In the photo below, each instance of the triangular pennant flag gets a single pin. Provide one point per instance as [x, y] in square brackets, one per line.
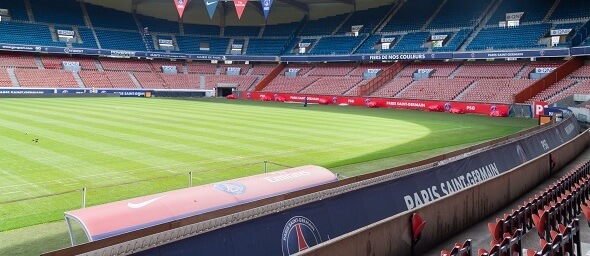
[266, 7]
[240, 5]
[211, 6]
[180, 6]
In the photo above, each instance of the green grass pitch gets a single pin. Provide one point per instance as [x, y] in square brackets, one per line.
[127, 147]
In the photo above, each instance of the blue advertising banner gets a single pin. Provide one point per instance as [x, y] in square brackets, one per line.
[27, 91]
[296, 229]
[266, 4]
[512, 54]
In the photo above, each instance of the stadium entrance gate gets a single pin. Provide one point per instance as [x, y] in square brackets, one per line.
[224, 89]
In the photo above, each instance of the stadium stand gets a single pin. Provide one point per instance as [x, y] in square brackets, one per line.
[158, 25]
[26, 33]
[359, 70]
[411, 42]
[55, 62]
[5, 80]
[331, 70]
[490, 70]
[103, 17]
[149, 80]
[459, 14]
[243, 68]
[534, 10]
[95, 79]
[331, 85]
[393, 87]
[289, 84]
[45, 78]
[58, 12]
[457, 39]
[157, 65]
[262, 70]
[191, 44]
[17, 60]
[440, 69]
[280, 30]
[368, 46]
[495, 90]
[241, 31]
[181, 81]
[520, 37]
[336, 45]
[120, 80]
[369, 19]
[265, 46]
[201, 68]
[323, 26]
[125, 65]
[87, 39]
[243, 82]
[412, 16]
[571, 10]
[120, 40]
[435, 89]
[17, 8]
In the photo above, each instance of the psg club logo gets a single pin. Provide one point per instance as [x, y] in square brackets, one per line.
[299, 234]
[233, 188]
[448, 106]
[493, 108]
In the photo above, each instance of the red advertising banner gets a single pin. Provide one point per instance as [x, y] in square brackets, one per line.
[539, 108]
[425, 105]
[180, 6]
[240, 5]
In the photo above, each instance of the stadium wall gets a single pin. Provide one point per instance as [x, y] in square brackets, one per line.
[450, 215]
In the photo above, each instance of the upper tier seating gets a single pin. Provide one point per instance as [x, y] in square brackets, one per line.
[103, 17]
[289, 84]
[45, 78]
[5, 80]
[571, 9]
[459, 13]
[87, 37]
[393, 87]
[261, 46]
[435, 89]
[489, 70]
[201, 68]
[158, 25]
[282, 30]
[191, 44]
[496, 38]
[369, 44]
[120, 40]
[17, 9]
[242, 31]
[332, 85]
[411, 42]
[58, 12]
[534, 10]
[17, 60]
[201, 30]
[331, 70]
[181, 81]
[26, 33]
[336, 45]
[441, 69]
[55, 62]
[412, 15]
[368, 18]
[455, 42]
[125, 65]
[243, 82]
[149, 80]
[323, 26]
[495, 90]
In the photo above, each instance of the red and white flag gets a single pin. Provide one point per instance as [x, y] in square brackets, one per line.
[180, 6]
[240, 5]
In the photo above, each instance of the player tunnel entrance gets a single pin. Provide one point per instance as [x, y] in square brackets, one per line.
[224, 89]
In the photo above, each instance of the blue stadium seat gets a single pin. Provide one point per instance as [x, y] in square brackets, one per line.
[17, 9]
[571, 9]
[455, 42]
[367, 46]
[368, 18]
[273, 47]
[458, 14]
[412, 15]
[120, 40]
[87, 37]
[201, 30]
[534, 10]
[411, 42]
[190, 44]
[521, 37]
[26, 33]
[103, 17]
[337, 44]
[280, 30]
[252, 31]
[58, 12]
[323, 26]
[158, 25]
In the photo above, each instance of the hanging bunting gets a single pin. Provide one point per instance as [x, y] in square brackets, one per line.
[240, 5]
[180, 6]
[211, 6]
[266, 7]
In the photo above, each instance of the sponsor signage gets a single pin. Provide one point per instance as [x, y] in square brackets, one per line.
[388, 39]
[4, 12]
[234, 69]
[165, 41]
[240, 6]
[304, 45]
[544, 70]
[560, 32]
[211, 6]
[266, 4]
[539, 108]
[373, 70]
[237, 46]
[70, 63]
[514, 16]
[424, 70]
[356, 28]
[438, 37]
[62, 32]
[181, 6]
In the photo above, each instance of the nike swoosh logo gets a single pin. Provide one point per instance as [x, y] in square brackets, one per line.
[142, 204]
[210, 3]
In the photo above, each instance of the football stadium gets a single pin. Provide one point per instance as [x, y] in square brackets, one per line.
[295, 127]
